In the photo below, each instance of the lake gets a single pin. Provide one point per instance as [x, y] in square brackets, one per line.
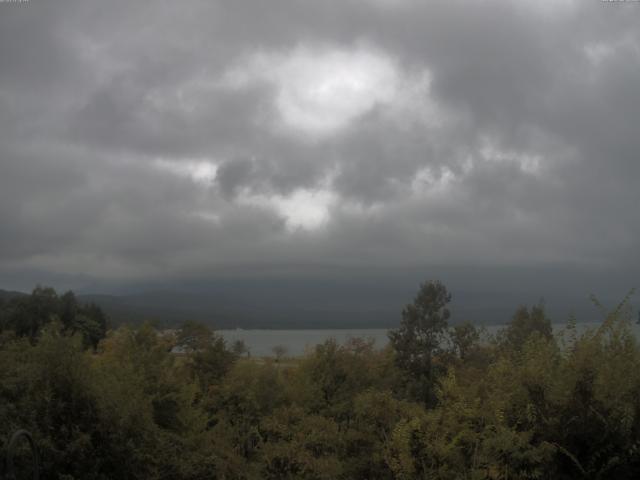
[297, 342]
[261, 342]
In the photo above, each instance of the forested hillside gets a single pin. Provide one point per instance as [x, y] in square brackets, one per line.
[439, 402]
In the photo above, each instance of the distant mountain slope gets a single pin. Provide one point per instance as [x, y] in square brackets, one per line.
[9, 294]
[313, 303]
[296, 307]
[170, 308]
[154, 307]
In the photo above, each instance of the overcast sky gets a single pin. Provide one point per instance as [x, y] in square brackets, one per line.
[177, 139]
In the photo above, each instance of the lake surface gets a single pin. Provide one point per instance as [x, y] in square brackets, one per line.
[297, 342]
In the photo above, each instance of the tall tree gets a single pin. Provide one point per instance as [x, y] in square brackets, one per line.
[524, 323]
[420, 337]
[209, 357]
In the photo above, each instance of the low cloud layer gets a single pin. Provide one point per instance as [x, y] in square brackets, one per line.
[174, 139]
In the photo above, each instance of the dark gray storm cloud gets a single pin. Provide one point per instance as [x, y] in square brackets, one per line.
[146, 140]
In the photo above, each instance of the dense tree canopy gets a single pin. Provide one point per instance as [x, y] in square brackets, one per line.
[26, 315]
[526, 404]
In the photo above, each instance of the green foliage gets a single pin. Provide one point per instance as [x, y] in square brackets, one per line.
[420, 338]
[465, 339]
[300, 446]
[208, 358]
[328, 380]
[240, 348]
[194, 336]
[145, 404]
[27, 315]
[526, 322]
